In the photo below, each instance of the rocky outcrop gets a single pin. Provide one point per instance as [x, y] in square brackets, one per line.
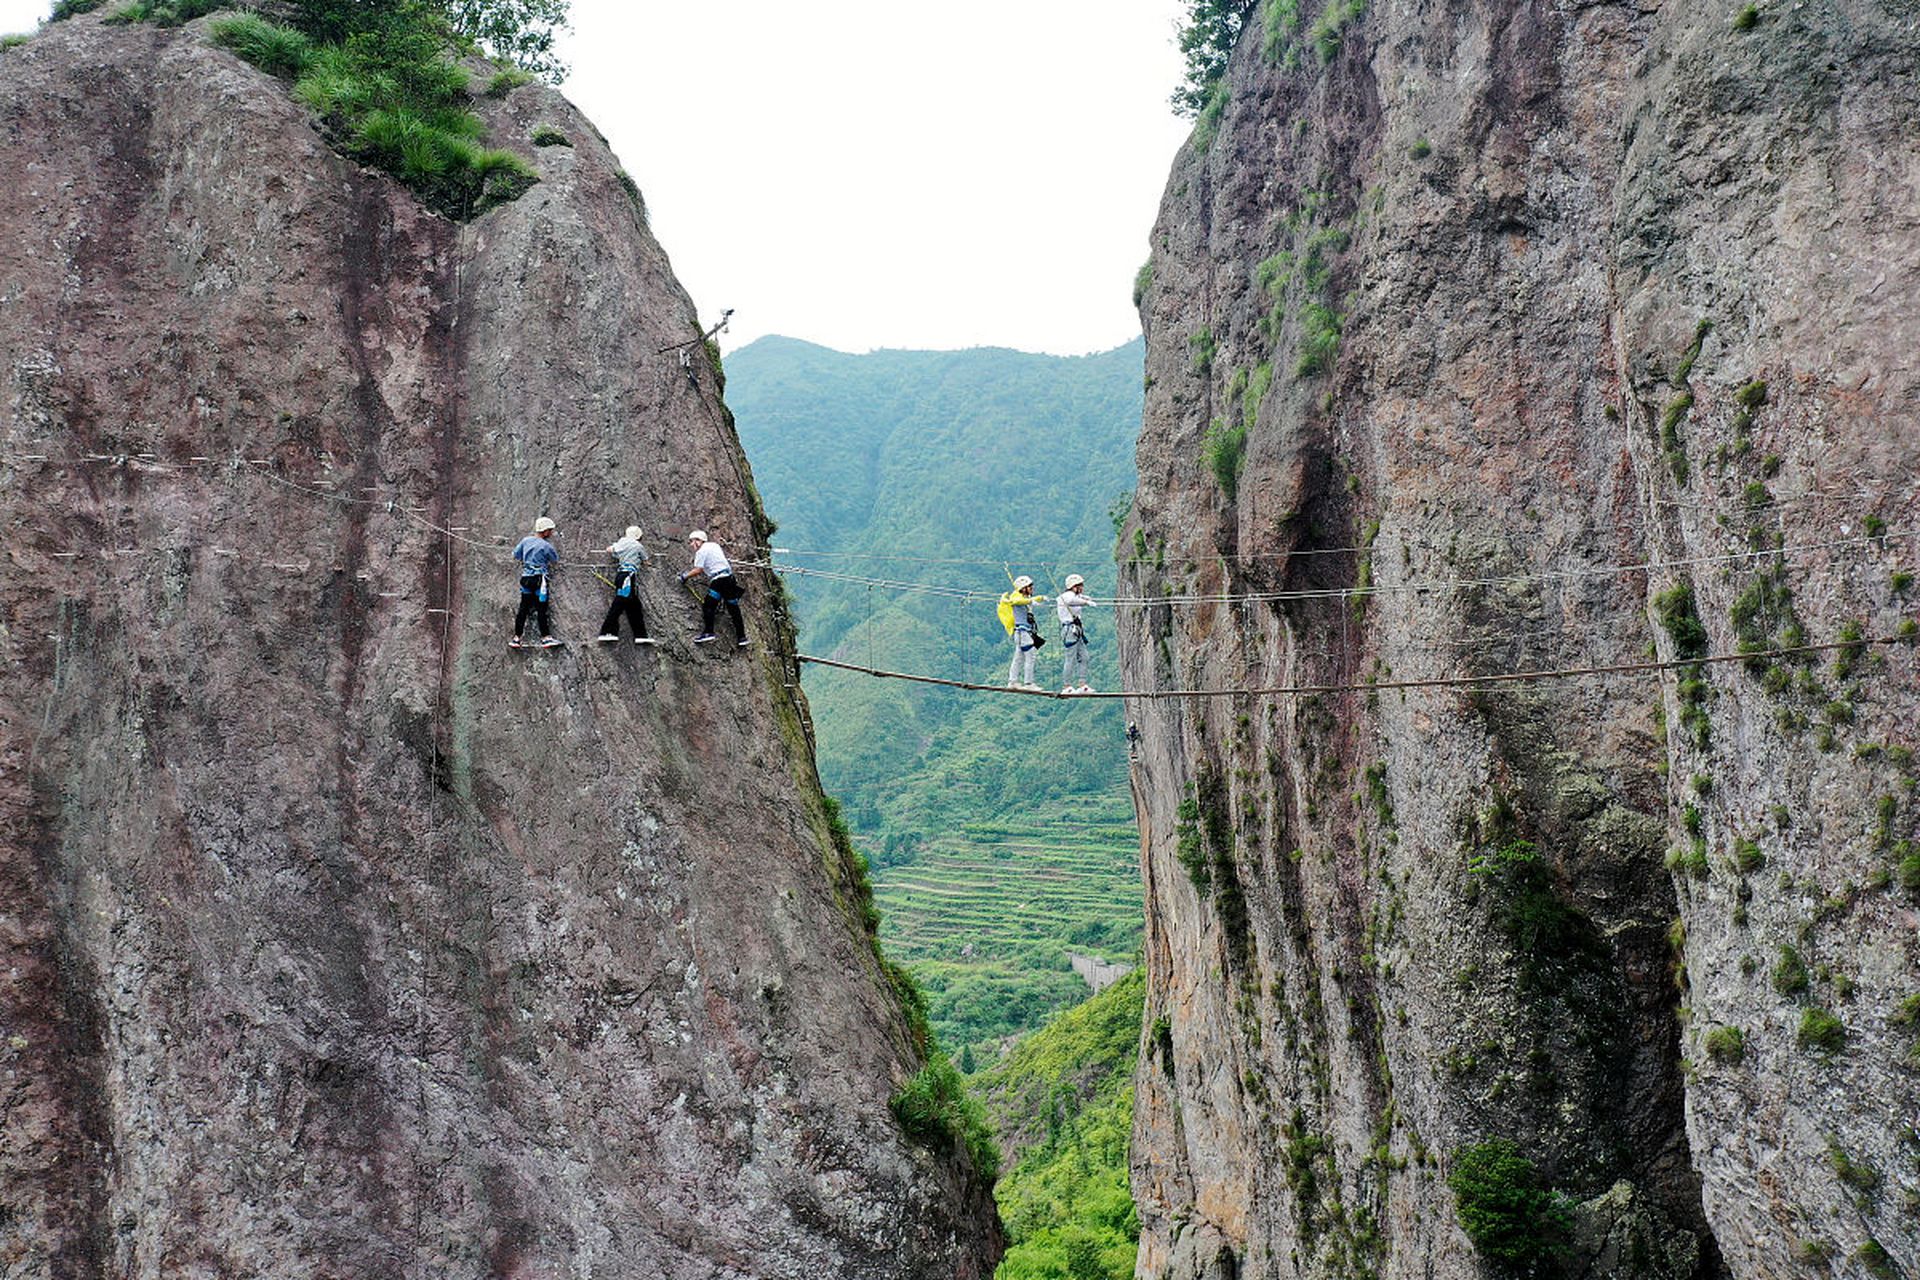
[335, 938]
[1569, 333]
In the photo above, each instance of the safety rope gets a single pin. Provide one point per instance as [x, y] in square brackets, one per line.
[1369, 686]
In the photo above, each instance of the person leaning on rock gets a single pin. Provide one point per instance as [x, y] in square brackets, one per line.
[538, 559]
[629, 556]
[711, 563]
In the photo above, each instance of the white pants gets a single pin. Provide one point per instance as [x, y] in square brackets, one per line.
[1023, 654]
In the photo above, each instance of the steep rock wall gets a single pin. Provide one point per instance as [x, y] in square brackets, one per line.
[1604, 286]
[339, 940]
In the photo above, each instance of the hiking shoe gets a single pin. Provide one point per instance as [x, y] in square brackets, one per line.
[550, 642]
[1036, 688]
[705, 637]
[645, 640]
[516, 643]
[741, 643]
[608, 638]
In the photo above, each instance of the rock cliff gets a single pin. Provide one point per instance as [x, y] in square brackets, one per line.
[1567, 334]
[336, 939]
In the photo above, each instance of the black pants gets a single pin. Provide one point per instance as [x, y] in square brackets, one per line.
[531, 603]
[725, 591]
[627, 606]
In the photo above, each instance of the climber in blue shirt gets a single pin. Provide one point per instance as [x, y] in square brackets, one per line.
[538, 558]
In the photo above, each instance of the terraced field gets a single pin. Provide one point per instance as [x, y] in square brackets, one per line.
[985, 917]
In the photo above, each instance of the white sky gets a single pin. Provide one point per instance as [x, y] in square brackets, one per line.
[868, 173]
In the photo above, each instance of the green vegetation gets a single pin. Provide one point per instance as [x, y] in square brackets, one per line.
[1821, 1031]
[1420, 150]
[1764, 618]
[1326, 34]
[1319, 339]
[1671, 440]
[13, 41]
[521, 32]
[1508, 1213]
[1207, 35]
[1142, 281]
[1873, 1256]
[276, 50]
[548, 136]
[1747, 857]
[172, 13]
[1790, 973]
[1746, 19]
[388, 94]
[1545, 933]
[1021, 898]
[1855, 1174]
[506, 80]
[1674, 608]
[1207, 127]
[935, 1108]
[63, 9]
[1675, 611]
[1726, 1045]
[1202, 347]
[1062, 1105]
[1224, 450]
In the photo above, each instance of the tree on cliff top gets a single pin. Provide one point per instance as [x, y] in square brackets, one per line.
[1207, 37]
[520, 31]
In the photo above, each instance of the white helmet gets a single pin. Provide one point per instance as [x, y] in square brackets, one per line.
[1075, 580]
[698, 535]
[1023, 583]
[633, 531]
[544, 525]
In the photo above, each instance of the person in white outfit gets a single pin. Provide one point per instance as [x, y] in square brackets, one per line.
[711, 563]
[1073, 634]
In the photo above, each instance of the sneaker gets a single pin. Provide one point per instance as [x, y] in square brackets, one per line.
[1085, 688]
[516, 643]
[741, 643]
[550, 642]
[1067, 688]
[1034, 687]
[705, 637]
[645, 640]
[608, 638]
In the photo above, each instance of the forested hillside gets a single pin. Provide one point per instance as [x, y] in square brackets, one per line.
[950, 470]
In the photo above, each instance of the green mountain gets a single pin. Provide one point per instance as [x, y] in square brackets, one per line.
[908, 485]
[1061, 1104]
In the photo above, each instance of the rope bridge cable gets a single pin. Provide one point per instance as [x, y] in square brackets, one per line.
[262, 466]
[948, 591]
[1431, 682]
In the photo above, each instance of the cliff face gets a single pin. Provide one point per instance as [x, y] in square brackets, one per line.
[336, 939]
[1543, 293]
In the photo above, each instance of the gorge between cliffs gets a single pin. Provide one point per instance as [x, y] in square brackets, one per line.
[1517, 604]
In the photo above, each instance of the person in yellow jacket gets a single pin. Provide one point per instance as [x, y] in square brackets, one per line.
[1016, 615]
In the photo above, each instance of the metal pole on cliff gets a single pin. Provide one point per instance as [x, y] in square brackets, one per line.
[686, 348]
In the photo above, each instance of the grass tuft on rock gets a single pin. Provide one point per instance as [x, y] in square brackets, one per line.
[936, 1110]
[276, 50]
[391, 97]
[1821, 1032]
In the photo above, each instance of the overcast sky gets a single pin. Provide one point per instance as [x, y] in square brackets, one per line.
[867, 173]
